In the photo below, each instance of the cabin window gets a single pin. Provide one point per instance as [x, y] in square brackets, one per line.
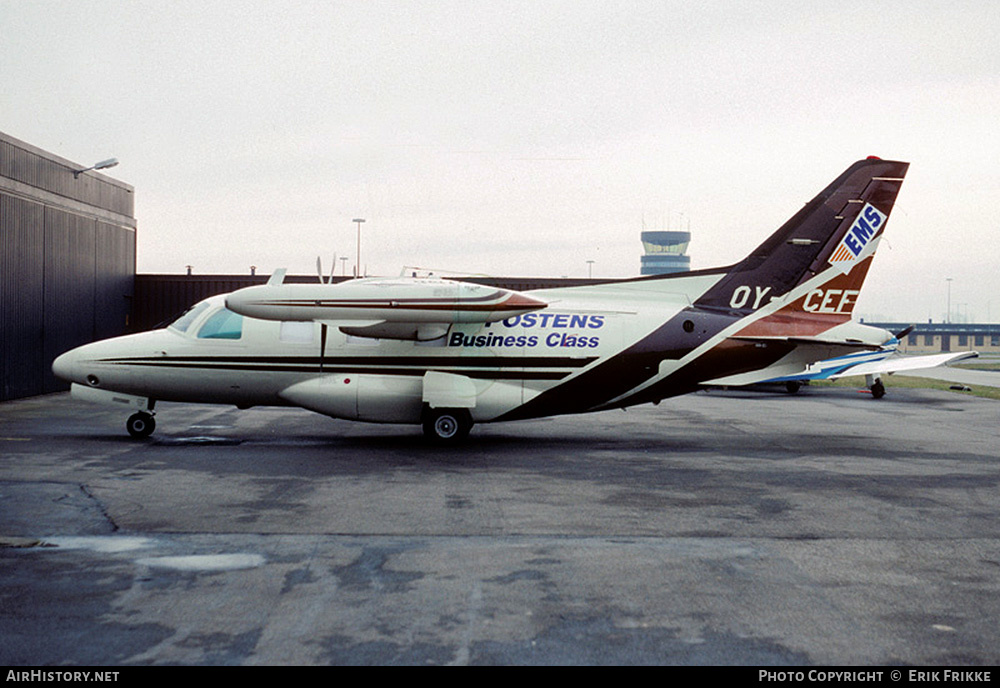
[182, 323]
[297, 332]
[223, 325]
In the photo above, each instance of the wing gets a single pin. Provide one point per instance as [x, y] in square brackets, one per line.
[880, 362]
[398, 308]
[898, 362]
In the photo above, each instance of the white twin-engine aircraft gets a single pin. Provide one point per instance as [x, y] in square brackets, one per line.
[449, 354]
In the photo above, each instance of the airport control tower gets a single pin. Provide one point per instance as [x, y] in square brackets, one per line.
[666, 251]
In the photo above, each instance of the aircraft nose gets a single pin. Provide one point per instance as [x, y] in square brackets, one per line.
[64, 366]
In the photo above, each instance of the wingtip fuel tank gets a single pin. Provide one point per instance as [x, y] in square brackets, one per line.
[389, 300]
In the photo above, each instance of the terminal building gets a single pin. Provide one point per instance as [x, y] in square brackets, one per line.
[665, 252]
[944, 337]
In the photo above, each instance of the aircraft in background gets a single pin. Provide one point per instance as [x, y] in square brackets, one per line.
[872, 364]
[450, 354]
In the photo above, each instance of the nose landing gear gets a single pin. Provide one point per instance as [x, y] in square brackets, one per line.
[140, 425]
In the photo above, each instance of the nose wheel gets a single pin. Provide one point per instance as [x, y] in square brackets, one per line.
[140, 425]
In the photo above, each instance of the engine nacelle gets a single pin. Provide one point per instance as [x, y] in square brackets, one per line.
[401, 398]
[373, 398]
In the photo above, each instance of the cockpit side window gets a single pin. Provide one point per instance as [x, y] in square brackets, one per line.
[182, 323]
[222, 325]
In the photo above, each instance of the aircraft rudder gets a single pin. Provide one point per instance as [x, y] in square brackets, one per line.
[835, 232]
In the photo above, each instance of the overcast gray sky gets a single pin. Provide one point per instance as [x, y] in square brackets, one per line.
[522, 138]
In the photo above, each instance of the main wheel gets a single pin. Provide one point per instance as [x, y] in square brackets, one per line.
[447, 425]
[878, 390]
[140, 425]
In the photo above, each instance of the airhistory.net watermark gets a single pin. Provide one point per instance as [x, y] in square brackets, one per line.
[60, 676]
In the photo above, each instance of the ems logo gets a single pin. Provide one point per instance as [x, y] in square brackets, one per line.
[865, 227]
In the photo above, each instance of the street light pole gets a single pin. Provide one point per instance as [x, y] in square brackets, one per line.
[947, 317]
[357, 268]
[102, 165]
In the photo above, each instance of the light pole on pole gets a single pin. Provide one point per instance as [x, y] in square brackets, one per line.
[357, 268]
[947, 317]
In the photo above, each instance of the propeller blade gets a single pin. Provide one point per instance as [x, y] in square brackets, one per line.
[319, 269]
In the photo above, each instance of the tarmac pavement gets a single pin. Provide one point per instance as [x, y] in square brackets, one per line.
[746, 528]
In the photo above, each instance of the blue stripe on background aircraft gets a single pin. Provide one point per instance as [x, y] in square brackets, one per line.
[886, 360]
[449, 354]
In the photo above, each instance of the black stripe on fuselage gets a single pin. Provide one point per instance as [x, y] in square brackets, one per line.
[500, 368]
[424, 361]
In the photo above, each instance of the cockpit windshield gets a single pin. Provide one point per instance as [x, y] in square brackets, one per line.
[223, 324]
[182, 323]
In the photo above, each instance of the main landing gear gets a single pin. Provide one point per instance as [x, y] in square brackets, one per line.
[878, 389]
[875, 385]
[445, 425]
[140, 425]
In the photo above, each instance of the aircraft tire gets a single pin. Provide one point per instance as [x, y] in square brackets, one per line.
[878, 390]
[140, 425]
[447, 425]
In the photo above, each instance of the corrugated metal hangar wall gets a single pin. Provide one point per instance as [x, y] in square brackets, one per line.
[67, 263]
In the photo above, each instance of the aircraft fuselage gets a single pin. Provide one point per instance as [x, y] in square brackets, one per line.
[450, 354]
[509, 362]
